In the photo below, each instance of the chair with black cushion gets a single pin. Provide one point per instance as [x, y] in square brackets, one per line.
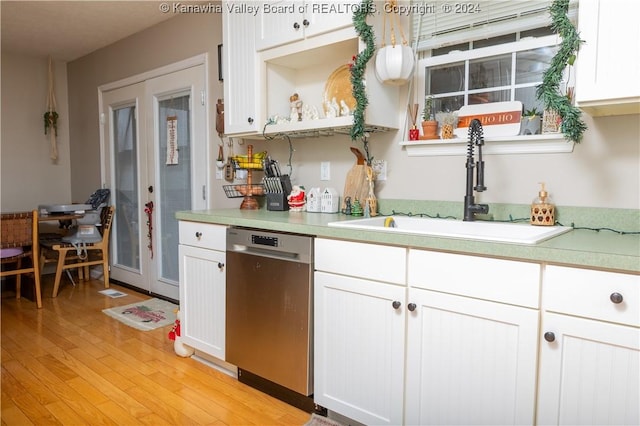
[19, 242]
[69, 256]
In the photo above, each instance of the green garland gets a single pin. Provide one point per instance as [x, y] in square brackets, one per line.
[365, 32]
[549, 91]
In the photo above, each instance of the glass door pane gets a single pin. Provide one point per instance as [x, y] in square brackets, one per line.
[174, 177]
[127, 229]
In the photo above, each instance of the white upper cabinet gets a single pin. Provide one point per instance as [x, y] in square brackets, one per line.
[240, 69]
[280, 21]
[608, 62]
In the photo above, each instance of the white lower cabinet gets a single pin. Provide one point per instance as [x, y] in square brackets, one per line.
[359, 348]
[203, 286]
[590, 348]
[464, 360]
[471, 361]
[359, 330]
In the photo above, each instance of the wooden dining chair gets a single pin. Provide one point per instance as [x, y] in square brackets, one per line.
[68, 256]
[19, 242]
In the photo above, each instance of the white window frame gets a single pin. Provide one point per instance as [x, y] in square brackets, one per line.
[529, 43]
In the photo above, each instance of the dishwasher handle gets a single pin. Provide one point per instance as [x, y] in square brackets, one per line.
[273, 254]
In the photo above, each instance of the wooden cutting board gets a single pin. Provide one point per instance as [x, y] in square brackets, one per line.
[356, 185]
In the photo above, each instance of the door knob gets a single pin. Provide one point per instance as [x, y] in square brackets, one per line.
[549, 336]
[412, 306]
[396, 304]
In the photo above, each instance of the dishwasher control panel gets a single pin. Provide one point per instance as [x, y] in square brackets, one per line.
[294, 247]
[263, 240]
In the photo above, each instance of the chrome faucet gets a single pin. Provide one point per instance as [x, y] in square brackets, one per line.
[475, 138]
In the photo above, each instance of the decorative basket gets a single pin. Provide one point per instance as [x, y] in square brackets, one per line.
[243, 190]
[256, 163]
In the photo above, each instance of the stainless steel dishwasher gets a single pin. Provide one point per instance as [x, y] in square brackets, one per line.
[269, 331]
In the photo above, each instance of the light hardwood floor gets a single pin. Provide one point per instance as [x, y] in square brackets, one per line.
[69, 363]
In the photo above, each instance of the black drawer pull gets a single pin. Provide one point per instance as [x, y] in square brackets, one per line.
[616, 298]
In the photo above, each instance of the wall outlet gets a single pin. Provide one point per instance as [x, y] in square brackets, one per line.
[325, 170]
[380, 169]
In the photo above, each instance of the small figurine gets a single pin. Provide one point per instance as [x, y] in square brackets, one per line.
[331, 108]
[344, 108]
[347, 206]
[296, 199]
[295, 113]
[309, 112]
[357, 210]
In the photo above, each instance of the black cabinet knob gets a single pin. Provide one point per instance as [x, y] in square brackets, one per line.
[396, 304]
[198, 235]
[616, 298]
[150, 189]
[412, 307]
[250, 120]
[549, 336]
[220, 265]
[305, 23]
[296, 26]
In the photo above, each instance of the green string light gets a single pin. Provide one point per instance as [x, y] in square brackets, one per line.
[549, 91]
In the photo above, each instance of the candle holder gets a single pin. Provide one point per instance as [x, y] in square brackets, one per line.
[414, 133]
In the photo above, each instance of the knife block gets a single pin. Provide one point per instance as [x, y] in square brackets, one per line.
[277, 189]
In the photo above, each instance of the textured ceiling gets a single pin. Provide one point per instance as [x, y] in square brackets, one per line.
[67, 30]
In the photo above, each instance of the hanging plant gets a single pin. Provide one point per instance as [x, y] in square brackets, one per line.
[358, 67]
[572, 125]
[51, 122]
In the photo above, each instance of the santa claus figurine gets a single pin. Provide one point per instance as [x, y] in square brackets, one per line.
[296, 199]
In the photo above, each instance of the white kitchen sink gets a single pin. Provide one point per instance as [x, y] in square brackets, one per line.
[515, 233]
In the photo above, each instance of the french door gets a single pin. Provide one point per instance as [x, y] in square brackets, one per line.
[155, 162]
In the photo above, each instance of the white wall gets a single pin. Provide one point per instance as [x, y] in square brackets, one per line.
[28, 175]
[179, 38]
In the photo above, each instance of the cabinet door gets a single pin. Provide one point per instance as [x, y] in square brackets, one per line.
[469, 361]
[240, 71]
[608, 64]
[203, 299]
[324, 16]
[588, 372]
[279, 22]
[359, 348]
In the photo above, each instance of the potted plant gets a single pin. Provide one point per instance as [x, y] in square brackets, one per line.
[447, 121]
[531, 122]
[429, 123]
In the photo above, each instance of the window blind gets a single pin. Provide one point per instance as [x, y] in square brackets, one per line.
[440, 23]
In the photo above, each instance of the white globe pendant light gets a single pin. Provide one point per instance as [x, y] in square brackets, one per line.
[394, 63]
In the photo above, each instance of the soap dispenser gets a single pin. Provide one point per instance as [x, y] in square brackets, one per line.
[543, 212]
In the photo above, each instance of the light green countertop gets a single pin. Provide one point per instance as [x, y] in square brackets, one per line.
[579, 247]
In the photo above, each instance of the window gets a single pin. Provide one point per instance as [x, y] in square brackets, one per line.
[496, 52]
[506, 72]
